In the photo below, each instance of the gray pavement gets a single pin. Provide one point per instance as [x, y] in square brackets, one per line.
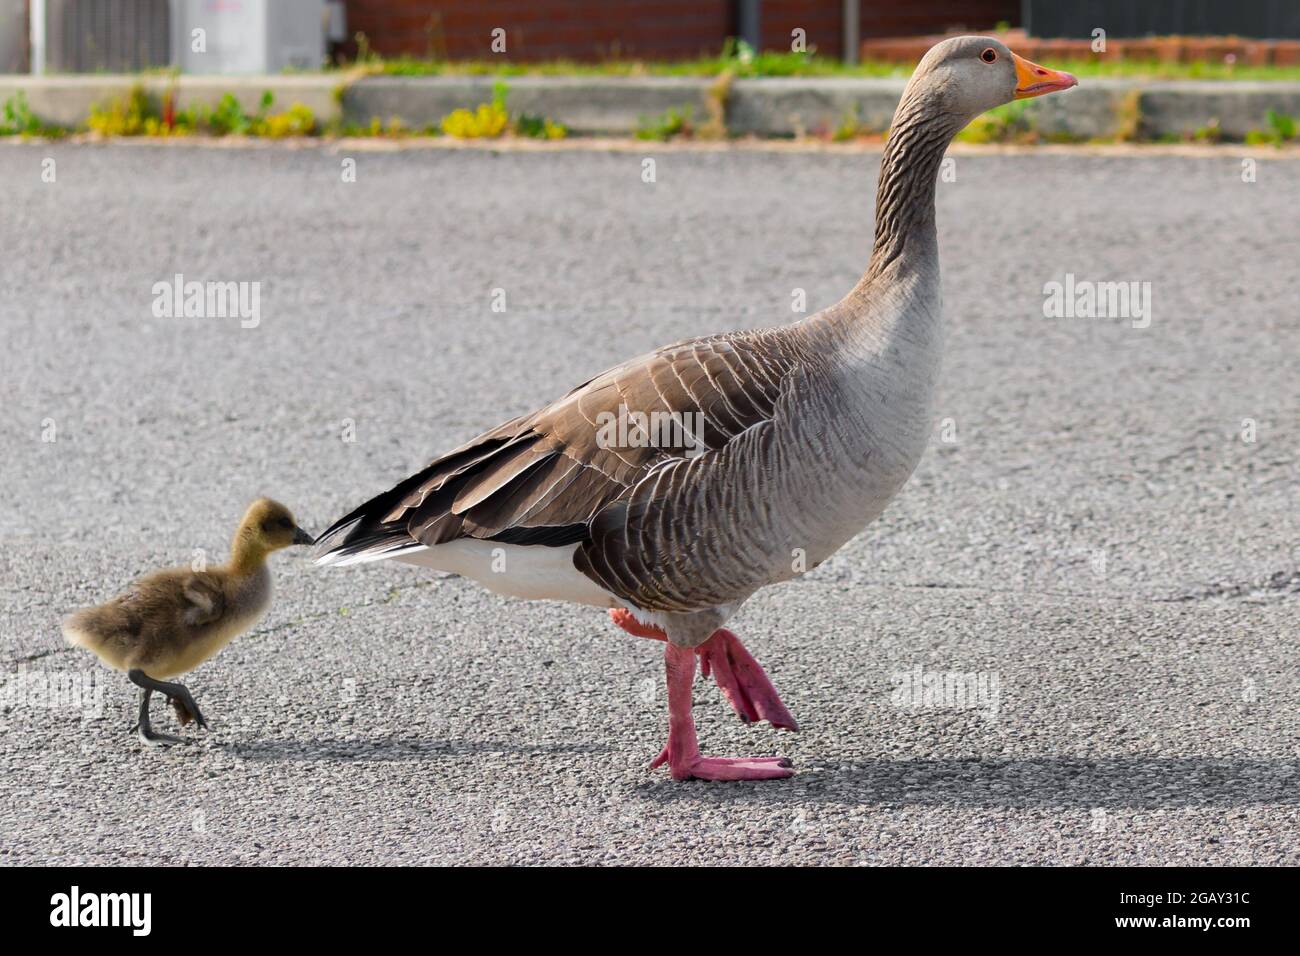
[1090, 533]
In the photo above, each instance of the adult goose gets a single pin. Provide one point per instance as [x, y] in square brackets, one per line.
[785, 443]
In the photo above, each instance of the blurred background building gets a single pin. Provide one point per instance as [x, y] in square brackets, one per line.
[252, 36]
[653, 29]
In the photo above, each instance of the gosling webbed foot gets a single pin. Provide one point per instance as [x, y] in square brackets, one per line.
[186, 709]
[152, 738]
[179, 696]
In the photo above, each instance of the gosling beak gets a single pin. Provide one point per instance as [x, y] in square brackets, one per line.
[1035, 80]
[302, 537]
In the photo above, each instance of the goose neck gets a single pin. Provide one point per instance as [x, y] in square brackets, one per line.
[247, 553]
[909, 168]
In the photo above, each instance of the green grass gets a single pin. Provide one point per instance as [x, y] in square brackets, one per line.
[1281, 129]
[17, 119]
[668, 125]
[1008, 123]
[745, 63]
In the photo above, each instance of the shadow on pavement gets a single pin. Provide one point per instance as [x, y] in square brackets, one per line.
[1136, 782]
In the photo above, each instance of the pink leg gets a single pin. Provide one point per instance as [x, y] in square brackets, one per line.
[683, 751]
[739, 677]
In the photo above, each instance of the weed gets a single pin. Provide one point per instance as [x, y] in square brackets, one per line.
[1282, 128]
[491, 120]
[1128, 126]
[715, 101]
[487, 122]
[229, 118]
[1209, 133]
[297, 120]
[1009, 123]
[672, 122]
[1282, 124]
[539, 127]
[850, 127]
[139, 113]
[17, 119]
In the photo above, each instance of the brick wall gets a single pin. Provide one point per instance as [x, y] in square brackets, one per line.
[544, 29]
[920, 17]
[648, 29]
[819, 19]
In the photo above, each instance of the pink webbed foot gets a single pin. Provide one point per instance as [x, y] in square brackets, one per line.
[742, 681]
[683, 752]
[740, 678]
[727, 768]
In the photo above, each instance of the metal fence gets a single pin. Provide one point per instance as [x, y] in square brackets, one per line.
[106, 36]
[1259, 19]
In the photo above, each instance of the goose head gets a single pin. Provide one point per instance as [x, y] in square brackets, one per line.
[269, 526]
[966, 76]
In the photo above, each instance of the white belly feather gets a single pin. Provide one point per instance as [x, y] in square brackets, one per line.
[532, 572]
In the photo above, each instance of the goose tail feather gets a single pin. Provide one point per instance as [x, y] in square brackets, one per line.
[363, 535]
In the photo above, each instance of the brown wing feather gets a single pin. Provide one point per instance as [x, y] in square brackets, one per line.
[551, 477]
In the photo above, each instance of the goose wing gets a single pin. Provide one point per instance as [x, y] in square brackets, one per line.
[205, 599]
[593, 468]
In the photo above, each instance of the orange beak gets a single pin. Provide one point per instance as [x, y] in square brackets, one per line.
[1035, 80]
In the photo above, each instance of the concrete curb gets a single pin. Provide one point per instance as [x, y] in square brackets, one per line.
[792, 107]
[1183, 106]
[618, 105]
[585, 105]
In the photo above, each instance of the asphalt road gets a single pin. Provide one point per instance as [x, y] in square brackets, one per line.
[1092, 534]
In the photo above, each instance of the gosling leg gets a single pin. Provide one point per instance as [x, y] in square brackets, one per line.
[178, 694]
[147, 734]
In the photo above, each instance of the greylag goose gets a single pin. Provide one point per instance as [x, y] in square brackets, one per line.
[784, 444]
[170, 622]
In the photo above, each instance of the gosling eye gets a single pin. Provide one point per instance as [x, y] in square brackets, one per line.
[285, 523]
[990, 55]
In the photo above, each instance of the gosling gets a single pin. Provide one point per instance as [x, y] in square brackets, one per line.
[171, 621]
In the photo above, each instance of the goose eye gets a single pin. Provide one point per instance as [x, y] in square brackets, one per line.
[285, 523]
[989, 55]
